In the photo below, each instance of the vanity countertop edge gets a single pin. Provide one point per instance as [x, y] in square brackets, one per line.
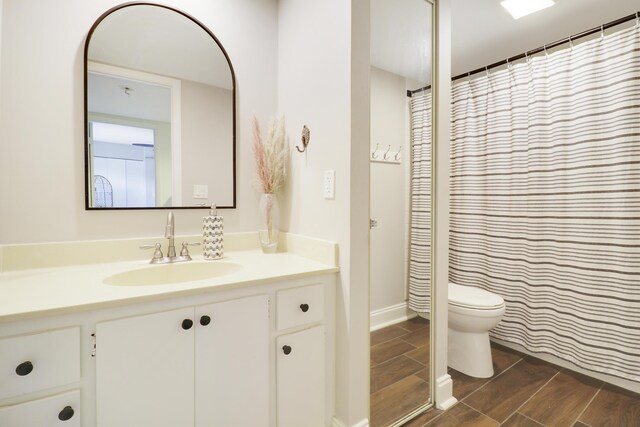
[30, 293]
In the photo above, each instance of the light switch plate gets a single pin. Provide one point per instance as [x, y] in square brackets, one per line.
[329, 186]
[200, 191]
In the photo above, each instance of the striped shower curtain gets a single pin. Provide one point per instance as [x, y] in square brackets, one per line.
[420, 218]
[545, 200]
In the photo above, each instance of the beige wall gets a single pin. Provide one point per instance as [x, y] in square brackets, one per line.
[323, 83]
[206, 149]
[41, 127]
[389, 126]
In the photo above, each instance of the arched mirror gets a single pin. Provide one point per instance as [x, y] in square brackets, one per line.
[401, 376]
[159, 112]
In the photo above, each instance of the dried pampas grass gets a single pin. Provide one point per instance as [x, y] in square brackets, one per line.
[270, 155]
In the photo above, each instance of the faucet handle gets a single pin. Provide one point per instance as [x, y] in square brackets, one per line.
[157, 254]
[185, 250]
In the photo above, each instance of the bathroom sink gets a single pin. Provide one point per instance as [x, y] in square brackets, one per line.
[166, 274]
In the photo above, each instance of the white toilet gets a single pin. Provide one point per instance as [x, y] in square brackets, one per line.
[472, 313]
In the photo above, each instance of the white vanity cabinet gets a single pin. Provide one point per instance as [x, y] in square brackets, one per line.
[203, 358]
[206, 365]
[32, 367]
[301, 378]
[300, 358]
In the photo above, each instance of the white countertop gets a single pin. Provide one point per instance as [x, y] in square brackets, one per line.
[28, 293]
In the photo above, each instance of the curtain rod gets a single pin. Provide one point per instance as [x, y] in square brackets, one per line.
[422, 89]
[551, 45]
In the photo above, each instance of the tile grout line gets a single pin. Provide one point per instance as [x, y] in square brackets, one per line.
[492, 379]
[382, 342]
[589, 404]
[527, 417]
[393, 358]
[477, 410]
[372, 365]
[534, 394]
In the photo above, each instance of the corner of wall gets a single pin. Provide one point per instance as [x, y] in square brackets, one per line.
[442, 113]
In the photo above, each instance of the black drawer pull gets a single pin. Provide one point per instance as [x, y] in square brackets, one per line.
[286, 349]
[24, 368]
[205, 320]
[66, 414]
[304, 307]
[187, 324]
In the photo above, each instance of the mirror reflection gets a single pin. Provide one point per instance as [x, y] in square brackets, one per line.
[160, 112]
[400, 172]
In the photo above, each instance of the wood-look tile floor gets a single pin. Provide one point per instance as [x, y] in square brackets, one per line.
[528, 392]
[524, 391]
[399, 370]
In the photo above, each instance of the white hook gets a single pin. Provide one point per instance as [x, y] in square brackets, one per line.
[374, 154]
[386, 153]
[396, 157]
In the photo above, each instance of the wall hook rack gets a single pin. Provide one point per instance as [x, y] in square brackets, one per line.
[377, 156]
[306, 135]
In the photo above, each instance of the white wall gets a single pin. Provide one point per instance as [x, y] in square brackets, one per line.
[206, 150]
[389, 126]
[41, 127]
[323, 82]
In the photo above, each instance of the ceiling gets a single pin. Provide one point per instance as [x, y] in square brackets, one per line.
[401, 38]
[483, 32]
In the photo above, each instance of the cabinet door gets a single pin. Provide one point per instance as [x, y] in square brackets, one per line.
[62, 410]
[232, 363]
[144, 370]
[301, 378]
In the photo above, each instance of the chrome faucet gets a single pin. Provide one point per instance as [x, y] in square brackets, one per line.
[169, 233]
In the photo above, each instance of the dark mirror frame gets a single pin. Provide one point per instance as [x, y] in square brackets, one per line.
[88, 189]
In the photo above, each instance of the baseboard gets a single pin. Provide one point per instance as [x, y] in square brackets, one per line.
[444, 393]
[338, 423]
[620, 382]
[391, 315]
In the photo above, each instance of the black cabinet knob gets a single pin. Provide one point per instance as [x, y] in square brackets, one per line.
[66, 413]
[187, 324]
[286, 349]
[304, 307]
[24, 368]
[205, 320]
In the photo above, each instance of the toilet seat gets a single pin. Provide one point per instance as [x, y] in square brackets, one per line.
[468, 297]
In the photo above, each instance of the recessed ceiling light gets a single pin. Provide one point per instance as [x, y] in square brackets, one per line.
[520, 8]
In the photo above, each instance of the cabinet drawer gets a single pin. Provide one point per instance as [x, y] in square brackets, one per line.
[61, 410]
[300, 306]
[35, 362]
